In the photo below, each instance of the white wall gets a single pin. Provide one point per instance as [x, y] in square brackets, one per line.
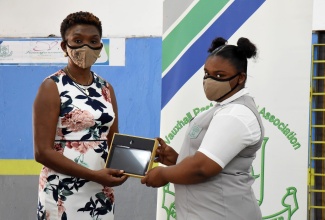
[120, 18]
[319, 15]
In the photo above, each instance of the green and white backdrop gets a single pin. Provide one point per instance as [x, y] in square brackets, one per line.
[278, 80]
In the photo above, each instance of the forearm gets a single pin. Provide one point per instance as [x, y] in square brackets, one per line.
[59, 163]
[186, 172]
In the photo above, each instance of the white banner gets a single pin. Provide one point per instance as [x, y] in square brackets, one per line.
[279, 80]
[47, 51]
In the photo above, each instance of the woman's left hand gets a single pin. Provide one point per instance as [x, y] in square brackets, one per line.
[155, 177]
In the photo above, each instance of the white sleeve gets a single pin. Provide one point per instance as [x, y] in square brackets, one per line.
[227, 135]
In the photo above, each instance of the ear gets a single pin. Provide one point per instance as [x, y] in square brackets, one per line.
[64, 46]
[242, 78]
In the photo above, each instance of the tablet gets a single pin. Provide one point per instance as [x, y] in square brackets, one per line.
[132, 154]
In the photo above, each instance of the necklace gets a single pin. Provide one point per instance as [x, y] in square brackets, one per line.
[79, 86]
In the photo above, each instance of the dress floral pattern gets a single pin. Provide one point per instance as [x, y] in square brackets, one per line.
[83, 124]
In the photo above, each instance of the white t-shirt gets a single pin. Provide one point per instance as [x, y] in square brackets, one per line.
[232, 128]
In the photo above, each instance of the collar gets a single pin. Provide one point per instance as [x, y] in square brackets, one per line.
[240, 93]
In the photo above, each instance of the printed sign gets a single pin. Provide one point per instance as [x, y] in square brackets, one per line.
[47, 51]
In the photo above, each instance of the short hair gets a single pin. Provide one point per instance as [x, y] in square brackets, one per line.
[80, 17]
[237, 55]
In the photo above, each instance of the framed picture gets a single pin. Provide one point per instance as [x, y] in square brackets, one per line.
[134, 155]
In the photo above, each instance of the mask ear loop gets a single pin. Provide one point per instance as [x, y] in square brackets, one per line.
[232, 89]
[66, 52]
[77, 47]
[222, 80]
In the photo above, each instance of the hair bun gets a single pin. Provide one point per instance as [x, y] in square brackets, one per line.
[246, 48]
[217, 42]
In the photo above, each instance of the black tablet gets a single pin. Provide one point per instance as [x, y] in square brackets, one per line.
[132, 154]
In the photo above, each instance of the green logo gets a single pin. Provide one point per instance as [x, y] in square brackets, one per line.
[194, 132]
[4, 51]
[289, 199]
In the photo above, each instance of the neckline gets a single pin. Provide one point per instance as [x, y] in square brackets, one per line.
[91, 81]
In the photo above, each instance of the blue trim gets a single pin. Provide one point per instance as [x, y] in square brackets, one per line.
[313, 84]
[225, 26]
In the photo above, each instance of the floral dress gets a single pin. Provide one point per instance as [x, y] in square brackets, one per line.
[86, 115]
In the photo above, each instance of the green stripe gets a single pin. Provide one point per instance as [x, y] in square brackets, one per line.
[199, 16]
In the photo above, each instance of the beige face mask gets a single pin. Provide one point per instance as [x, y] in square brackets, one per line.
[84, 56]
[215, 89]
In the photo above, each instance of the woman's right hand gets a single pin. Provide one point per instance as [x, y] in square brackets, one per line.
[110, 177]
[165, 154]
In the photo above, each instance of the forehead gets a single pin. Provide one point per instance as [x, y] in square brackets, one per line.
[217, 63]
[82, 30]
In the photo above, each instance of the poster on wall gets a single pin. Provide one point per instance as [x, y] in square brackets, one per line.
[47, 51]
[278, 80]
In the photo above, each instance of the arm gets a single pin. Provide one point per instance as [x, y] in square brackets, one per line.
[193, 169]
[114, 127]
[46, 110]
[210, 158]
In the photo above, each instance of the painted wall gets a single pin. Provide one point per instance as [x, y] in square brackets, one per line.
[125, 18]
[278, 80]
[137, 85]
[318, 15]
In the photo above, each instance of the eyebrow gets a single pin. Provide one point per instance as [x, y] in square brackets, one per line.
[217, 71]
[77, 34]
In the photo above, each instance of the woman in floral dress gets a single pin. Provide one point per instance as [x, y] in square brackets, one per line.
[74, 119]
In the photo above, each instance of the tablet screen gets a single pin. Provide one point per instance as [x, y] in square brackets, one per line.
[131, 160]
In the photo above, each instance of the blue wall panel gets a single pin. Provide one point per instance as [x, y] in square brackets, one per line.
[137, 87]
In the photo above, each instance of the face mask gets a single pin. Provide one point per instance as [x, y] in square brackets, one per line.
[217, 88]
[84, 56]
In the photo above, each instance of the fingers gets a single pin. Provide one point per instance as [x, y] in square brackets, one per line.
[115, 172]
[144, 179]
[156, 159]
[116, 181]
[161, 141]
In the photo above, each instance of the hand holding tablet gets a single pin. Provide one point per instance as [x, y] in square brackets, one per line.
[134, 155]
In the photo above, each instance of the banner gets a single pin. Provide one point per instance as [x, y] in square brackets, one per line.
[279, 81]
[47, 51]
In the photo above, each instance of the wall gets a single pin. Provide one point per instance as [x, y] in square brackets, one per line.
[137, 86]
[318, 15]
[278, 80]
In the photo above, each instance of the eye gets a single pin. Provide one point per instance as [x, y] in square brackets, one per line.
[218, 76]
[77, 41]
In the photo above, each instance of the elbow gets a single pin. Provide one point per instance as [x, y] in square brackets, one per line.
[39, 156]
[208, 172]
[203, 174]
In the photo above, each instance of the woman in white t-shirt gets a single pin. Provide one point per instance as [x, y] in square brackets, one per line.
[212, 172]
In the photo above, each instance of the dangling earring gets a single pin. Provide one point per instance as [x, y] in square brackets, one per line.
[66, 54]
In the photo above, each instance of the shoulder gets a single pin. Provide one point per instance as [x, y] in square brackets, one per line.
[99, 79]
[238, 111]
[49, 86]
[56, 76]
